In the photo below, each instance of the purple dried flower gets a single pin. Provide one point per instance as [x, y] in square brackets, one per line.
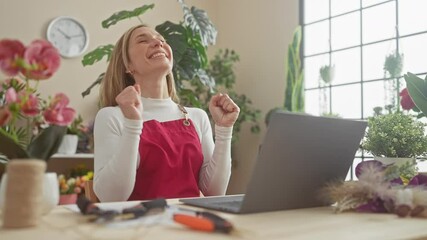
[374, 205]
[419, 179]
[368, 164]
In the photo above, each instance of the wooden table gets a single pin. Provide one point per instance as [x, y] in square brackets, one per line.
[314, 223]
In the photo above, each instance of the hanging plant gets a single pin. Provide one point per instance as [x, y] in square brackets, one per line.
[393, 65]
[327, 73]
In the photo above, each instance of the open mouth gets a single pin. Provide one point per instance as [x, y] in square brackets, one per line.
[157, 55]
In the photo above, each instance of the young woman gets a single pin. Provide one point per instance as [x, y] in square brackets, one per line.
[146, 144]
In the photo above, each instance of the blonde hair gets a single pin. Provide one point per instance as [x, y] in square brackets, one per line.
[116, 78]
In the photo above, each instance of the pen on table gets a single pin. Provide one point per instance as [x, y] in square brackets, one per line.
[202, 220]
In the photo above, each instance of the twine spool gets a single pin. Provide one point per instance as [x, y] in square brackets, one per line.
[24, 193]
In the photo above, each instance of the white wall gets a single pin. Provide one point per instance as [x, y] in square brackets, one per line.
[259, 31]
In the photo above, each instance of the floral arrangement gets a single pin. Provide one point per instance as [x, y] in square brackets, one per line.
[30, 127]
[75, 184]
[379, 189]
[387, 188]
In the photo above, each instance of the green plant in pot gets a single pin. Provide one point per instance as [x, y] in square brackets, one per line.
[397, 139]
[294, 89]
[71, 139]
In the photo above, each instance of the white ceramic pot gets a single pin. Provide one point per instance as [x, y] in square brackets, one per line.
[391, 160]
[69, 144]
[50, 191]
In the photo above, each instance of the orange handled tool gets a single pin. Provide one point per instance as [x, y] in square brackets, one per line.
[204, 221]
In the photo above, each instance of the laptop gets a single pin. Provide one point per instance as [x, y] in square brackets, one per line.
[299, 155]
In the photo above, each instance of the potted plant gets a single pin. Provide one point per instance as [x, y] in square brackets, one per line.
[31, 129]
[70, 187]
[71, 139]
[294, 91]
[327, 73]
[397, 139]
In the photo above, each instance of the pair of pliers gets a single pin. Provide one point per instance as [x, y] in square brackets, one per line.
[203, 221]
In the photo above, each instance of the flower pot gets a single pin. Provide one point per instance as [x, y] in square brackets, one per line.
[392, 160]
[69, 144]
[65, 199]
[50, 191]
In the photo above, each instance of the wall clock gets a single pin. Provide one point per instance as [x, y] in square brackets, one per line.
[68, 35]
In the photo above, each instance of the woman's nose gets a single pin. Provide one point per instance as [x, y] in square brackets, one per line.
[157, 42]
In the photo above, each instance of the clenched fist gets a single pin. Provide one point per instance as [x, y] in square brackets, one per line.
[129, 101]
[223, 110]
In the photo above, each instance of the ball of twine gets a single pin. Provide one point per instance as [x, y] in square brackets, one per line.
[24, 193]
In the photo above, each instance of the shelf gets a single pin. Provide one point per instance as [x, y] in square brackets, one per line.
[77, 155]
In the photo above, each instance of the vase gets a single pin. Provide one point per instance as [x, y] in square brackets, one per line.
[65, 199]
[392, 160]
[50, 191]
[23, 193]
[69, 144]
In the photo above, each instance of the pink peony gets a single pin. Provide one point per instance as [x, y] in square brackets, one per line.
[10, 53]
[58, 113]
[43, 58]
[30, 105]
[11, 96]
[406, 100]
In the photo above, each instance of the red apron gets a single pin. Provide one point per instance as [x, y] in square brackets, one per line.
[170, 160]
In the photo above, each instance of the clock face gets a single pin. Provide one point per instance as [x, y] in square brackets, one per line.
[68, 36]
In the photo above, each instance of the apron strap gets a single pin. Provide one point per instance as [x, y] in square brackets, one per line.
[184, 111]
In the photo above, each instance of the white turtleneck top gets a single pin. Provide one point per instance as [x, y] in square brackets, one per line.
[117, 156]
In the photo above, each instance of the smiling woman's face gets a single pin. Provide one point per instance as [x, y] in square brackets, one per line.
[149, 53]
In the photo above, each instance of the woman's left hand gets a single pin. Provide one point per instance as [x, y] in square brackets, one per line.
[223, 110]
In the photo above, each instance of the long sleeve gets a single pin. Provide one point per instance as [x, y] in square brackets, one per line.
[216, 169]
[116, 154]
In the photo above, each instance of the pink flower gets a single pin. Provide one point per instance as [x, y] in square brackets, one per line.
[5, 116]
[10, 53]
[58, 113]
[30, 105]
[406, 100]
[11, 96]
[43, 58]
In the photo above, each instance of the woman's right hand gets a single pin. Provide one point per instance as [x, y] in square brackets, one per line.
[129, 101]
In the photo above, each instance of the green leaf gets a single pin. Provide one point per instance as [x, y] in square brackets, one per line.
[47, 142]
[205, 78]
[188, 95]
[199, 22]
[294, 99]
[119, 16]
[175, 36]
[417, 88]
[10, 148]
[97, 54]
[189, 64]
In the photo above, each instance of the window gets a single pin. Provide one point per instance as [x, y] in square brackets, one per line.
[352, 38]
